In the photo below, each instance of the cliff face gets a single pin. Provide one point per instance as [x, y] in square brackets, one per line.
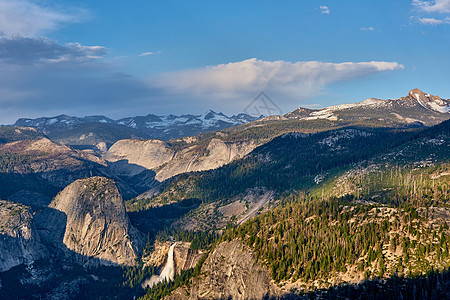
[166, 162]
[230, 271]
[19, 241]
[96, 223]
[149, 154]
[184, 257]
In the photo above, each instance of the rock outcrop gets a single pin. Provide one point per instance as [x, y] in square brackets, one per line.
[162, 158]
[184, 257]
[96, 224]
[19, 241]
[230, 271]
[149, 154]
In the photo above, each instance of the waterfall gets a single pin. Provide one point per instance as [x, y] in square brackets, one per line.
[167, 273]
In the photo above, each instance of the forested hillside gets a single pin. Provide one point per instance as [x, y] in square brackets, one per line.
[353, 206]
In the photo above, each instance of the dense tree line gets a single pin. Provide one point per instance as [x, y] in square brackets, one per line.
[397, 185]
[9, 160]
[307, 239]
[198, 239]
[12, 134]
[435, 285]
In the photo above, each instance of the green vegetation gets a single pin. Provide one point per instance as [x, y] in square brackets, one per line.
[433, 285]
[308, 239]
[198, 239]
[9, 161]
[419, 186]
[134, 277]
[350, 202]
[385, 224]
[13, 134]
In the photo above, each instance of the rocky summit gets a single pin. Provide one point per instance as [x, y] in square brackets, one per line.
[96, 223]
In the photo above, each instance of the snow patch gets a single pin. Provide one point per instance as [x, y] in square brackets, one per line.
[52, 121]
[442, 109]
[327, 113]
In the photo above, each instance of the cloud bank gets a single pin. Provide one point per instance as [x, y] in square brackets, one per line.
[239, 79]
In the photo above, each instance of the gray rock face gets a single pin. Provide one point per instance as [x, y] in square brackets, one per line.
[19, 241]
[230, 271]
[97, 225]
[149, 154]
[184, 257]
[166, 162]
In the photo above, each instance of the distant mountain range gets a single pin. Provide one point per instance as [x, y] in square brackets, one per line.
[96, 130]
[415, 108]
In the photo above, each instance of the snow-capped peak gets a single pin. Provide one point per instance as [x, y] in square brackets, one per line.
[429, 101]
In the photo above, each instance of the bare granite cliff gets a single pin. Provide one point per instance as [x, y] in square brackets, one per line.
[96, 223]
[19, 241]
[230, 271]
[184, 257]
[149, 154]
[162, 158]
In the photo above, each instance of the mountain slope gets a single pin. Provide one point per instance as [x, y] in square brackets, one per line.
[416, 107]
[390, 222]
[37, 164]
[100, 131]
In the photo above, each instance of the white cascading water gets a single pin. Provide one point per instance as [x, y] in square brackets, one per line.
[167, 273]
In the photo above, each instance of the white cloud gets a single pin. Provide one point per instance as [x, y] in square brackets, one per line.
[241, 79]
[441, 6]
[26, 18]
[370, 28]
[150, 53]
[434, 21]
[324, 9]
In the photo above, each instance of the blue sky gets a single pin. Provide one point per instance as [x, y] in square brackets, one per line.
[123, 58]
